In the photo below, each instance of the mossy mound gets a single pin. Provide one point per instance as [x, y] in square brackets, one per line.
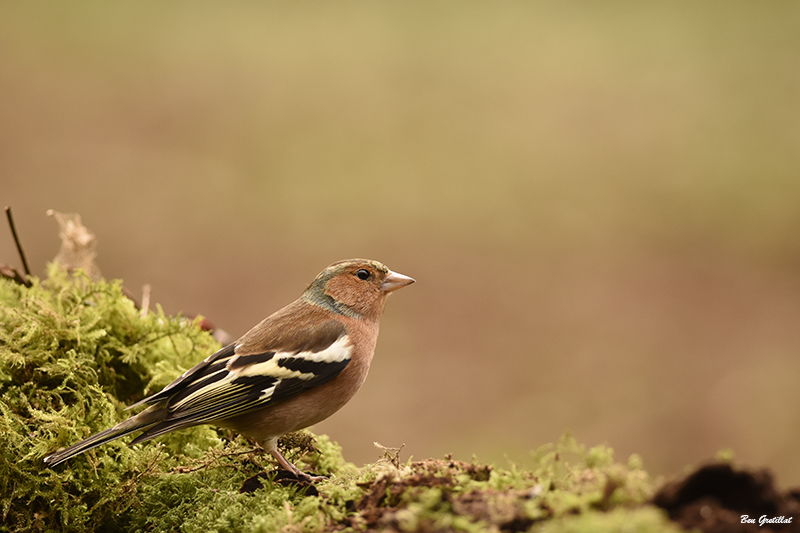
[74, 352]
[570, 489]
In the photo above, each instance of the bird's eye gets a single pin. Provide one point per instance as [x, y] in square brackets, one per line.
[363, 274]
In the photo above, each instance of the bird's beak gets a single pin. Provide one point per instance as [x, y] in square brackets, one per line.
[394, 281]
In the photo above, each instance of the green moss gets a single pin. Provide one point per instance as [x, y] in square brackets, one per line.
[646, 519]
[567, 481]
[75, 352]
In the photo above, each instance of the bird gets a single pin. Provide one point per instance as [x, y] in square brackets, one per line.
[292, 370]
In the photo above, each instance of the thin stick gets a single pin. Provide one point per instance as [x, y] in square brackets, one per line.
[16, 240]
[145, 300]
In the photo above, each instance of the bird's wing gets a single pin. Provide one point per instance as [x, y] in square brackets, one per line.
[213, 360]
[251, 374]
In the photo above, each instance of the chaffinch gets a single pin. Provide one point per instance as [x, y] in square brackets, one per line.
[294, 369]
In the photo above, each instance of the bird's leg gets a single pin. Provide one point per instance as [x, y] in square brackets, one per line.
[271, 445]
[293, 469]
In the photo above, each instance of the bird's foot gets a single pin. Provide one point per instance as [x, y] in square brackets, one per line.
[283, 474]
[296, 472]
[308, 477]
[281, 477]
[303, 481]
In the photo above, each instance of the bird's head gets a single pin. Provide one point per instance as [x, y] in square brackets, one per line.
[356, 287]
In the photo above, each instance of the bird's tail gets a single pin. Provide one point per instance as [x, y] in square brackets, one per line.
[142, 421]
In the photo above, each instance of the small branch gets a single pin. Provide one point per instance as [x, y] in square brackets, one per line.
[145, 300]
[391, 454]
[215, 457]
[16, 240]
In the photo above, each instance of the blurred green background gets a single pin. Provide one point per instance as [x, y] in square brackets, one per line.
[600, 202]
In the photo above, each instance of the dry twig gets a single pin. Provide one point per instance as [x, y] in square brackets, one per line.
[16, 241]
